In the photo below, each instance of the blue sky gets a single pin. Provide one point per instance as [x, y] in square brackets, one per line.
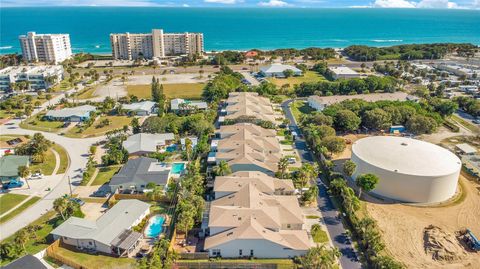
[465, 4]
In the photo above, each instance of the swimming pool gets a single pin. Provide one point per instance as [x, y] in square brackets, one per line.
[154, 227]
[177, 168]
[171, 148]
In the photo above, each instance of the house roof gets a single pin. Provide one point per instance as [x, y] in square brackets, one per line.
[107, 227]
[261, 181]
[144, 142]
[279, 68]
[27, 261]
[79, 111]
[227, 130]
[140, 106]
[175, 103]
[466, 148]
[342, 70]
[270, 210]
[142, 170]
[9, 164]
[249, 104]
[252, 229]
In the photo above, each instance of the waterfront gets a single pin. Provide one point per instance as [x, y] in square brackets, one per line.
[244, 28]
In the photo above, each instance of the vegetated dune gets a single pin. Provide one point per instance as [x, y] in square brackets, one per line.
[404, 233]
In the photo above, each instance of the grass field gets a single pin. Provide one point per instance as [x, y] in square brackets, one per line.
[35, 123]
[280, 263]
[179, 90]
[116, 122]
[20, 209]
[47, 222]
[300, 108]
[86, 94]
[309, 76]
[320, 237]
[9, 200]
[105, 174]
[47, 166]
[96, 261]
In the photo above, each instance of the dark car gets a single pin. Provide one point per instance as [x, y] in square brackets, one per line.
[100, 194]
[77, 201]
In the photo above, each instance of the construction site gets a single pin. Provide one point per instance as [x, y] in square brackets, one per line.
[442, 235]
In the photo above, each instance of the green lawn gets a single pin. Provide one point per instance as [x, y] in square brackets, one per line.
[466, 124]
[105, 174]
[47, 166]
[310, 76]
[116, 123]
[300, 108]
[64, 160]
[36, 123]
[86, 94]
[96, 261]
[179, 90]
[9, 200]
[20, 209]
[281, 263]
[47, 223]
[320, 237]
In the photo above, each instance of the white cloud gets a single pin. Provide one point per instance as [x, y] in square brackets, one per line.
[226, 2]
[128, 3]
[393, 4]
[185, 5]
[476, 4]
[436, 4]
[274, 3]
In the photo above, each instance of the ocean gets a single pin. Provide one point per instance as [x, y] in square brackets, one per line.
[244, 28]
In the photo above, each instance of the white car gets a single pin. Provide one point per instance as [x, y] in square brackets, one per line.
[292, 160]
[36, 176]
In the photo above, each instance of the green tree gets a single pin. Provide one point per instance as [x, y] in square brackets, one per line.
[419, 124]
[282, 166]
[135, 126]
[222, 169]
[377, 119]
[21, 238]
[288, 73]
[61, 205]
[334, 144]
[346, 121]
[349, 168]
[366, 182]
[188, 148]
[320, 257]
[23, 171]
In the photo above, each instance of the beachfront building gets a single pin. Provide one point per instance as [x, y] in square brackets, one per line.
[343, 72]
[157, 44]
[71, 114]
[48, 48]
[9, 165]
[37, 77]
[250, 223]
[278, 70]
[179, 104]
[144, 108]
[137, 173]
[111, 233]
[248, 107]
[143, 143]
[226, 185]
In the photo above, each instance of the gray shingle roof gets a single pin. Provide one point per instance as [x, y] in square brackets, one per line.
[140, 171]
[28, 261]
[9, 164]
[146, 142]
[79, 111]
[106, 228]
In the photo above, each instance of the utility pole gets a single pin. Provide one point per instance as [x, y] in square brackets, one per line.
[70, 186]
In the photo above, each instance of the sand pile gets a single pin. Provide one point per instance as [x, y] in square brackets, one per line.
[441, 245]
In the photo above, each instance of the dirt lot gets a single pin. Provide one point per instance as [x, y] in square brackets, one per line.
[403, 228]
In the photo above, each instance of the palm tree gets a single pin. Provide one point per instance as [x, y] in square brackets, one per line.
[222, 169]
[60, 205]
[350, 201]
[188, 148]
[320, 257]
[21, 238]
[24, 172]
[282, 166]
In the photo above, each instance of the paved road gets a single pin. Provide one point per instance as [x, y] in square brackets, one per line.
[329, 212]
[253, 81]
[78, 151]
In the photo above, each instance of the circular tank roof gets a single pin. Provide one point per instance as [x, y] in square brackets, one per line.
[406, 156]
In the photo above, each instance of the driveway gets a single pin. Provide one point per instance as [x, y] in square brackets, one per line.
[334, 226]
[78, 152]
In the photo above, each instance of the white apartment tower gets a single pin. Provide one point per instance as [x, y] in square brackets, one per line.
[157, 44]
[49, 48]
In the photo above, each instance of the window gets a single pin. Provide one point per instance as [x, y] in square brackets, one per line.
[90, 243]
[216, 252]
[289, 226]
[239, 252]
[251, 252]
[142, 186]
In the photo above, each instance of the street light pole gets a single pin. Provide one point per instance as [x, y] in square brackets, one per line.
[70, 186]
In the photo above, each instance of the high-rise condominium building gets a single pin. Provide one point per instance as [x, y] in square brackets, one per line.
[157, 44]
[49, 48]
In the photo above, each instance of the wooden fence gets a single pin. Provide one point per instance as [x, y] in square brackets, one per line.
[52, 252]
[194, 256]
[224, 265]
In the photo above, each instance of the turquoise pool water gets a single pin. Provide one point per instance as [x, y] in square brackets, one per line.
[171, 148]
[154, 227]
[177, 168]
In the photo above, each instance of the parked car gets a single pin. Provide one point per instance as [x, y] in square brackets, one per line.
[36, 176]
[100, 193]
[292, 160]
[77, 201]
[13, 184]
[476, 121]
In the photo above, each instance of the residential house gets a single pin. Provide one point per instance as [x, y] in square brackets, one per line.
[248, 107]
[111, 233]
[143, 143]
[144, 108]
[278, 70]
[226, 185]
[71, 114]
[9, 165]
[183, 105]
[343, 72]
[137, 173]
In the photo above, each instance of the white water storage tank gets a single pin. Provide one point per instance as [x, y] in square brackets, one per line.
[410, 170]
